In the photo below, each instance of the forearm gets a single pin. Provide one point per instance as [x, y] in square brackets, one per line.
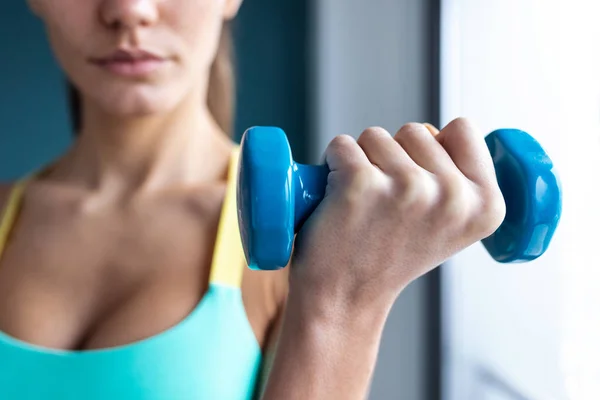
[325, 352]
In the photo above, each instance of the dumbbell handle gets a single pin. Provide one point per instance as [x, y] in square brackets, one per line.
[310, 181]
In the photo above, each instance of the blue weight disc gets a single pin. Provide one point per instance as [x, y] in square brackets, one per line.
[532, 193]
[265, 198]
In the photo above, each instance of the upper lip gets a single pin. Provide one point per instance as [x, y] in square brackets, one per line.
[129, 55]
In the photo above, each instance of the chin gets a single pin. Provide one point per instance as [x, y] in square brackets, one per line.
[138, 101]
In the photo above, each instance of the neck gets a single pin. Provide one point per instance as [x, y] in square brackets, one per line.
[183, 146]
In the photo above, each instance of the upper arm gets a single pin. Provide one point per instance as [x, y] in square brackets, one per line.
[268, 357]
[270, 348]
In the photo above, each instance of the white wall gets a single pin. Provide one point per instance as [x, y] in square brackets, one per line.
[371, 70]
[370, 67]
[534, 65]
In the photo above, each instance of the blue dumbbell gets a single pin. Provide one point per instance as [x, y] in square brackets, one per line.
[276, 195]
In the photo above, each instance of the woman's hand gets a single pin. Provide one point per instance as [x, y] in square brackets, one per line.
[395, 208]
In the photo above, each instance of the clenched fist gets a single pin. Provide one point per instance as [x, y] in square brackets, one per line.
[396, 206]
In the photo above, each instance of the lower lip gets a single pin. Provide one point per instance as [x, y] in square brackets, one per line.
[137, 68]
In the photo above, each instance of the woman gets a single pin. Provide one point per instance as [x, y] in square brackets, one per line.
[121, 273]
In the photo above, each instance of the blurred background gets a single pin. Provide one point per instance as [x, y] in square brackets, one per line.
[473, 329]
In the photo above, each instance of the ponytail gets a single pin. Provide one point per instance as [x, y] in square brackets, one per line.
[221, 85]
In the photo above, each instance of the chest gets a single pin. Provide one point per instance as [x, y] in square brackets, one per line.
[204, 357]
[101, 278]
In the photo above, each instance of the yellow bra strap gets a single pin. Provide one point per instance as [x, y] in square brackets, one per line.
[11, 209]
[228, 257]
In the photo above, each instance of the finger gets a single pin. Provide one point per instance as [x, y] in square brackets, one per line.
[424, 149]
[434, 131]
[344, 153]
[466, 145]
[383, 151]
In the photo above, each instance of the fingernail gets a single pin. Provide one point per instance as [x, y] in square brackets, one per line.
[434, 131]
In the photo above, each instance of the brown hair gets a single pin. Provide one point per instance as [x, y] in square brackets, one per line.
[221, 88]
[221, 85]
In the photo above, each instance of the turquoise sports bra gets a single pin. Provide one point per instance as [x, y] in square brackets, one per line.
[211, 354]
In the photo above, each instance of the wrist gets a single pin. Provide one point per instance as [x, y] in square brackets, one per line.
[337, 310]
[328, 344]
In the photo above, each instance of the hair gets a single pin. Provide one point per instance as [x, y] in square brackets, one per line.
[221, 88]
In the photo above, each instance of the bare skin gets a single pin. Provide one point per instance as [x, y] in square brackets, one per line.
[84, 273]
[396, 206]
[113, 243]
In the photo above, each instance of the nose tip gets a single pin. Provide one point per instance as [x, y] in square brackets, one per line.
[129, 13]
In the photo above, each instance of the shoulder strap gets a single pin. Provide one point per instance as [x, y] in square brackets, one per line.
[228, 256]
[9, 214]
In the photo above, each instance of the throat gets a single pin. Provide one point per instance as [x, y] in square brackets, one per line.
[141, 161]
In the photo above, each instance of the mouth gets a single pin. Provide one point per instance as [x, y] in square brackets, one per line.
[131, 63]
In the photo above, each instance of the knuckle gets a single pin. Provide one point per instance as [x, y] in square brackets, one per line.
[490, 215]
[414, 190]
[457, 212]
[375, 130]
[461, 121]
[462, 124]
[411, 127]
[457, 203]
[354, 178]
[372, 134]
[493, 212]
[341, 143]
[344, 147]
[360, 185]
[411, 131]
[405, 179]
[361, 178]
[455, 187]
